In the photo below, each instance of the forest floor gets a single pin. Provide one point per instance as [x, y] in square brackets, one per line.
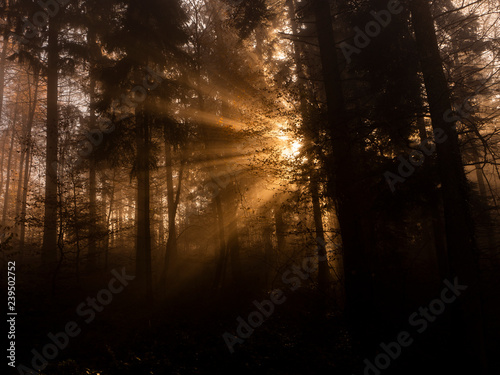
[183, 334]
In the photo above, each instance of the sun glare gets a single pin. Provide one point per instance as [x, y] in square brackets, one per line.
[290, 148]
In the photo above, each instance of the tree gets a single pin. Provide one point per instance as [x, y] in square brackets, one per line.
[49, 246]
[358, 284]
[458, 222]
[127, 39]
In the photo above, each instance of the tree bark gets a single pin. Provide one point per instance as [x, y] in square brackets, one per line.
[22, 145]
[323, 272]
[233, 242]
[3, 60]
[221, 262]
[360, 306]
[92, 251]
[4, 143]
[27, 166]
[49, 245]
[9, 164]
[280, 227]
[27, 175]
[267, 239]
[143, 245]
[459, 227]
[171, 249]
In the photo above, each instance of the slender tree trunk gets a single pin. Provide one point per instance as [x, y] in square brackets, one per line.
[490, 222]
[27, 167]
[120, 222]
[4, 143]
[280, 226]
[3, 60]
[22, 144]
[161, 226]
[19, 185]
[77, 230]
[323, 272]
[9, 163]
[233, 242]
[92, 251]
[221, 262]
[108, 207]
[143, 245]
[171, 250]
[460, 239]
[49, 246]
[267, 233]
[27, 175]
[479, 174]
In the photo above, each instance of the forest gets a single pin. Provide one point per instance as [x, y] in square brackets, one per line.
[285, 187]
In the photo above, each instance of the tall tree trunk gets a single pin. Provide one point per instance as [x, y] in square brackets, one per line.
[460, 239]
[121, 221]
[143, 245]
[280, 227]
[323, 272]
[108, 201]
[360, 306]
[233, 242]
[49, 246]
[22, 144]
[9, 163]
[19, 185]
[4, 143]
[171, 250]
[27, 174]
[92, 251]
[221, 262]
[27, 166]
[3, 60]
[161, 220]
[77, 229]
[267, 233]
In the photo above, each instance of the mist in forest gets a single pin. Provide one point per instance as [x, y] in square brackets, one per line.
[250, 186]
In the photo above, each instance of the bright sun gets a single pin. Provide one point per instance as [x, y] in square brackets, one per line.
[292, 151]
[290, 148]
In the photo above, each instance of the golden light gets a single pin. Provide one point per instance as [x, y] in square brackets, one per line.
[292, 150]
[289, 147]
